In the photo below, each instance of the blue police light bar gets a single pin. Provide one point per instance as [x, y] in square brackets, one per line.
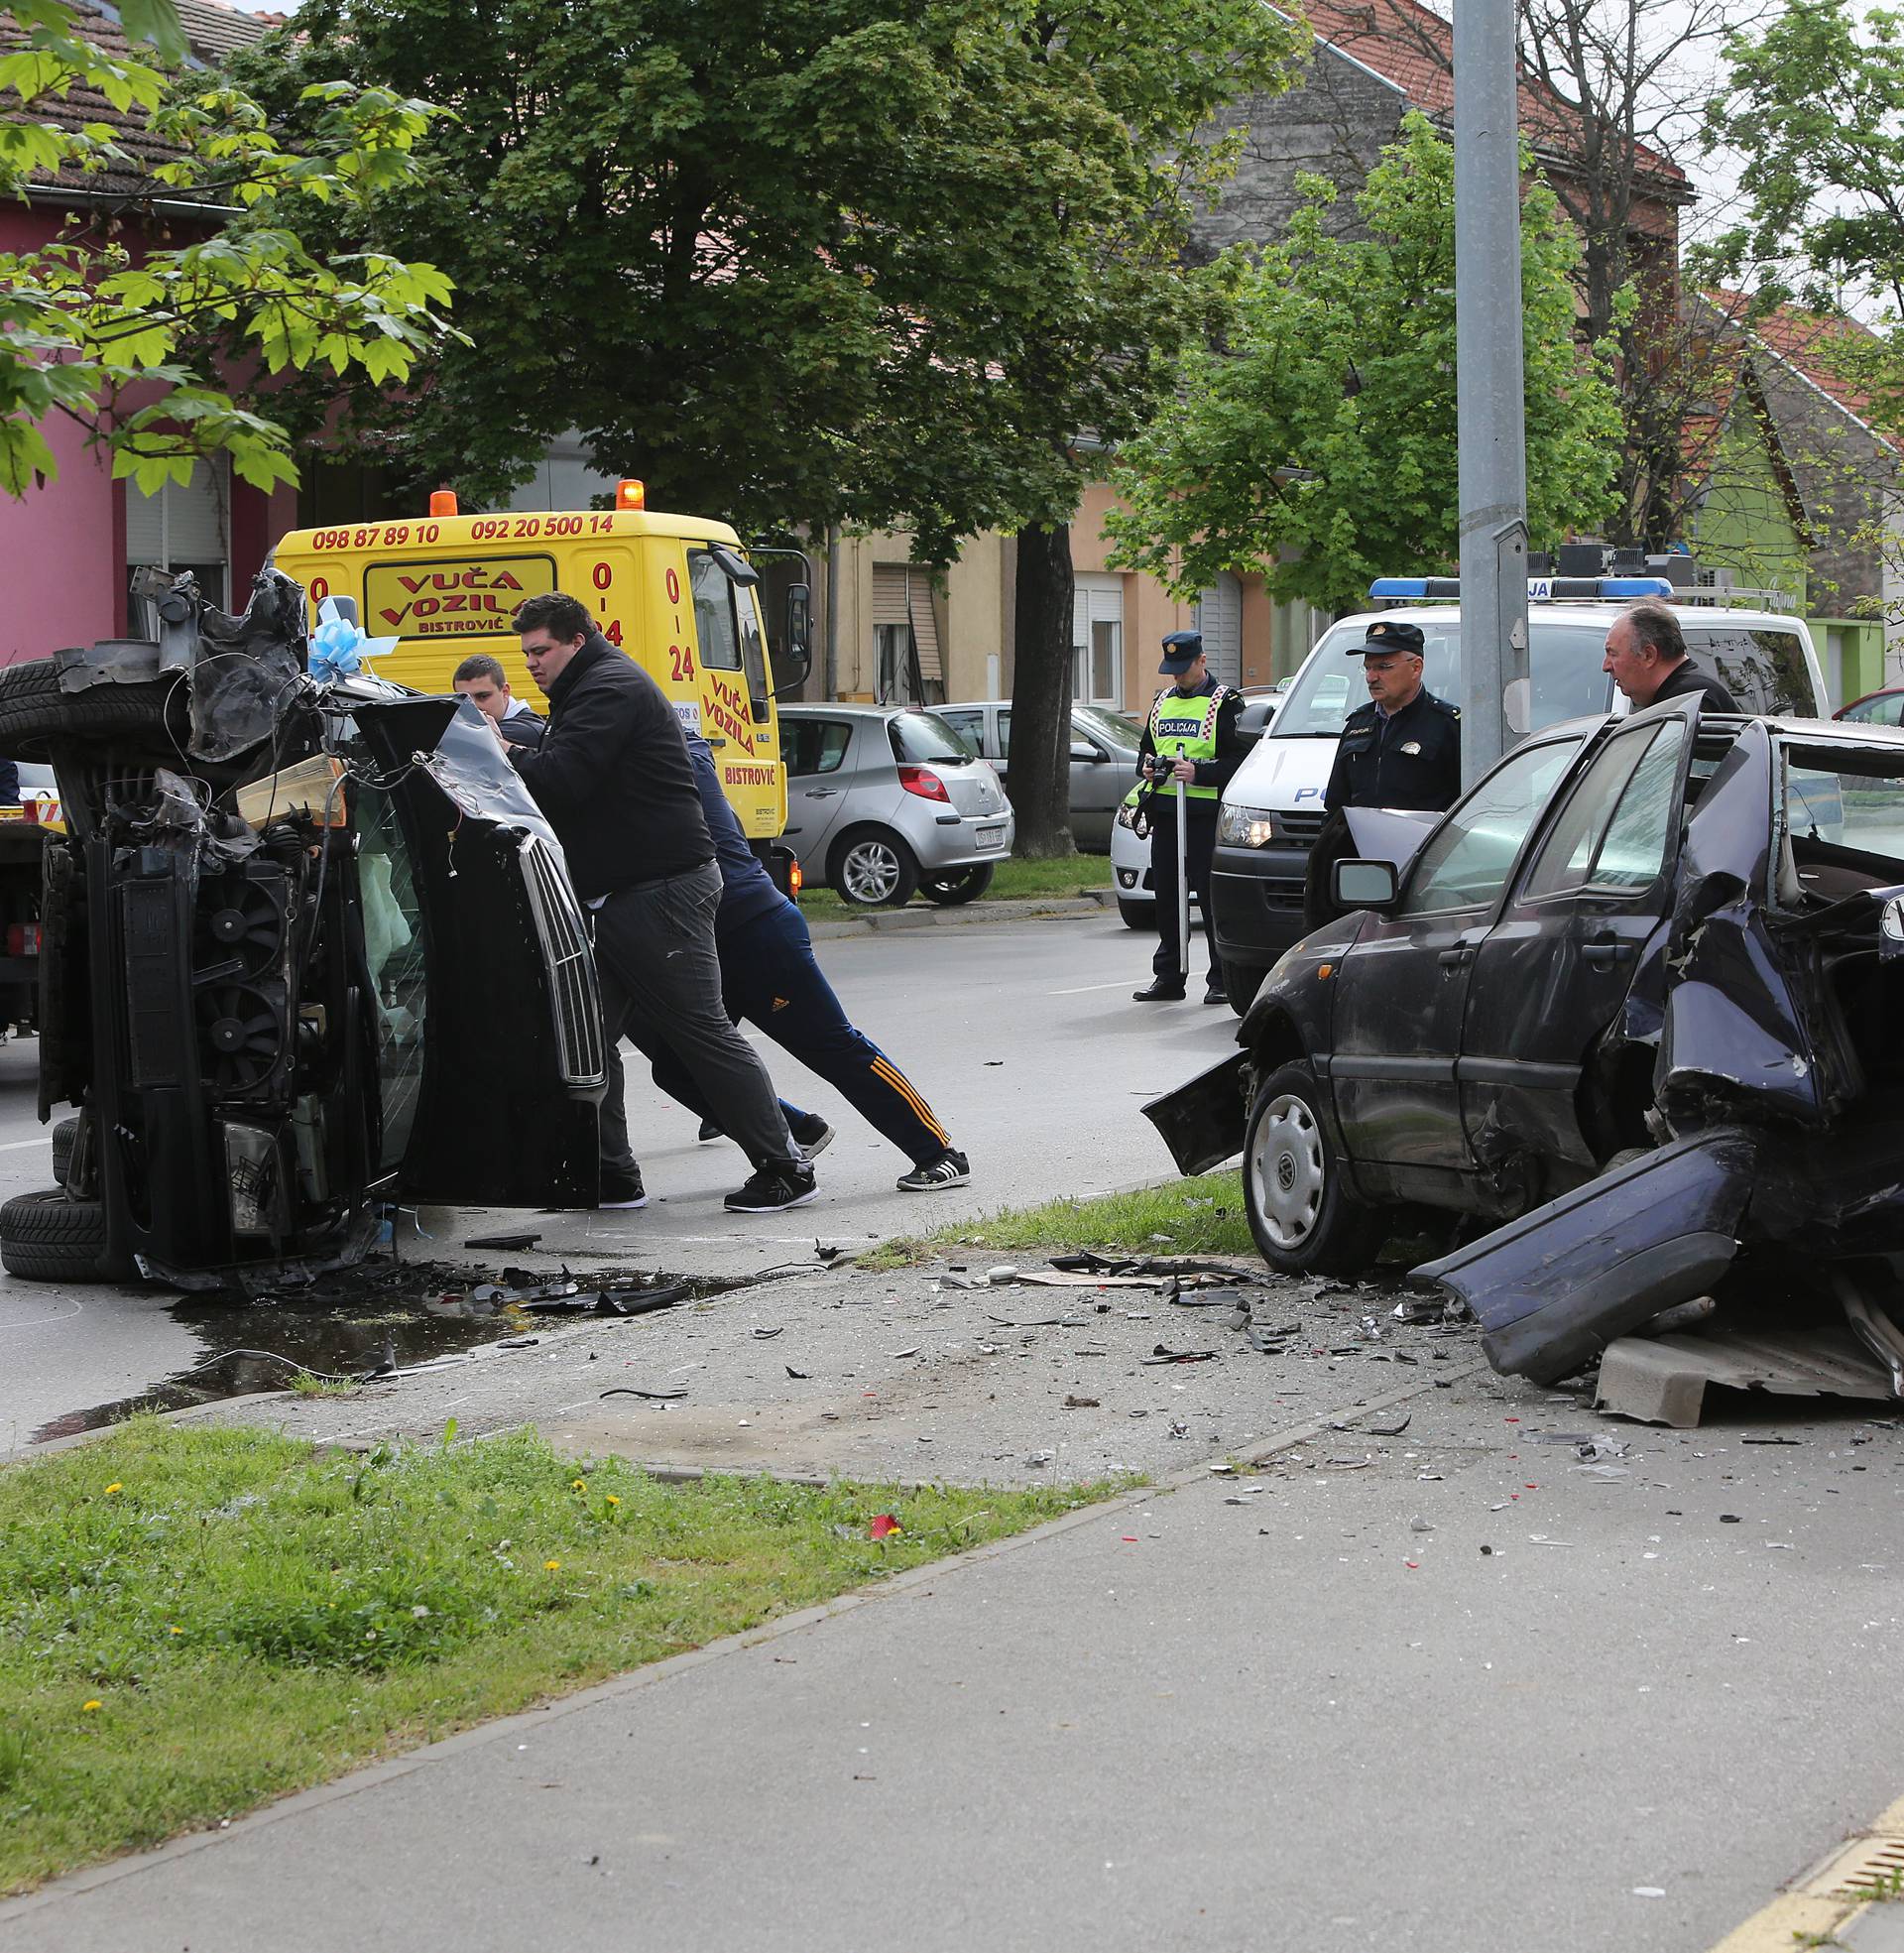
[1540, 589]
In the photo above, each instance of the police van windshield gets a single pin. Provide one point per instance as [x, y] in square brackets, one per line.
[1568, 680]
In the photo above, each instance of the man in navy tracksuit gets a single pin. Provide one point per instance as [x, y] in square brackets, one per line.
[769, 976]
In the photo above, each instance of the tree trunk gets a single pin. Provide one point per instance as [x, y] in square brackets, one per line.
[1041, 691]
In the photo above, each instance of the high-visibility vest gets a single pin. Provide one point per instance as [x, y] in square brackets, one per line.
[1185, 728]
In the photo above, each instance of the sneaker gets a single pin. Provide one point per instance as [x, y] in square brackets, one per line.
[709, 1131]
[621, 1189]
[948, 1169]
[775, 1188]
[812, 1136]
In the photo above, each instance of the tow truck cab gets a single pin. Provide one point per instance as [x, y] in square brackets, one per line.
[1273, 811]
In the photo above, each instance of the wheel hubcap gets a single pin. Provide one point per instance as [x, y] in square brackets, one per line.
[1286, 1171]
[872, 871]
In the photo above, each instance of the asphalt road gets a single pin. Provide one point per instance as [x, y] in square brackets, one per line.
[1022, 1036]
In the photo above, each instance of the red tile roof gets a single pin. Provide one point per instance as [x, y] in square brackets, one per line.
[1812, 344]
[212, 30]
[1413, 46]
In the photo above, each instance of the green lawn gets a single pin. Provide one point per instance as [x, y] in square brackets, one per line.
[1202, 1216]
[194, 1622]
[1015, 881]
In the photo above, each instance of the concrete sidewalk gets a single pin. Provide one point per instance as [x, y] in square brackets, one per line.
[1209, 1717]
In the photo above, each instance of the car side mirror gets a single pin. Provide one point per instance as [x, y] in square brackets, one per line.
[797, 638]
[1088, 753]
[1364, 885]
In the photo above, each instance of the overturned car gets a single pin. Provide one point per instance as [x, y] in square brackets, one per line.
[306, 947]
[1635, 994]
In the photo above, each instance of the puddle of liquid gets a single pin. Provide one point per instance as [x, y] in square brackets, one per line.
[379, 1317]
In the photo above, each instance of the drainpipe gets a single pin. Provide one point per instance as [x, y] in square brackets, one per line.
[831, 673]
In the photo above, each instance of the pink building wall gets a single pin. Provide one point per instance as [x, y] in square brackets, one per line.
[63, 548]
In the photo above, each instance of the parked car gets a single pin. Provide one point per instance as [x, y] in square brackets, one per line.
[1131, 851]
[1272, 810]
[1625, 976]
[884, 800]
[1875, 708]
[1103, 760]
[275, 939]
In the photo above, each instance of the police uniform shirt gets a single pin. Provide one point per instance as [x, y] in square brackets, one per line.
[1210, 772]
[1410, 759]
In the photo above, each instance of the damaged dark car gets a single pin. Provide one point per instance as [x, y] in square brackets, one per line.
[307, 949]
[1636, 996]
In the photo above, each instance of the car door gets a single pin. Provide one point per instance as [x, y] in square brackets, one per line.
[1401, 990]
[1097, 787]
[968, 721]
[817, 778]
[1553, 972]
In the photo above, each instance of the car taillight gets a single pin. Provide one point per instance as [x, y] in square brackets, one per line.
[924, 783]
[23, 940]
[795, 881]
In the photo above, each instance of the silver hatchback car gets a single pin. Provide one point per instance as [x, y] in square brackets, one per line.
[885, 799]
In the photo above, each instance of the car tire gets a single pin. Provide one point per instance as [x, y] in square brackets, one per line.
[1240, 982]
[874, 869]
[66, 1136]
[48, 1237]
[34, 709]
[1139, 915]
[960, 886]
[1304, 1219]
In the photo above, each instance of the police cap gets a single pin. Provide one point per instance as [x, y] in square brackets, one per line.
[1384, 634]
[1181, 650]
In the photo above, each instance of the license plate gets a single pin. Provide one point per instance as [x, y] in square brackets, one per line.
[990, 837]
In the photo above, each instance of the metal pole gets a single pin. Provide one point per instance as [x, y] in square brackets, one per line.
[1488, 377]
[1183, 888]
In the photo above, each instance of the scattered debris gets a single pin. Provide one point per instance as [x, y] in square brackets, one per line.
[517, 1240]
[1391, 1427]
[768, 1335]
[827, 1251]
[1163, 1354]
[798, 1376]
[628, 1389]
[1082, 1404]
[883, 1527]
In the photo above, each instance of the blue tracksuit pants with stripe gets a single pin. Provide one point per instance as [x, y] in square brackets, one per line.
[770, 977]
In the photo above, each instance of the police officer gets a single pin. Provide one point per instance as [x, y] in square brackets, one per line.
[1400, 749]
[1192, 737]
[1403, 748]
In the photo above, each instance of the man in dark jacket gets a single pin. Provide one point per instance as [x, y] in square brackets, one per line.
[770, 977]
[1647, 656]
[613, 776]
[1191, 737]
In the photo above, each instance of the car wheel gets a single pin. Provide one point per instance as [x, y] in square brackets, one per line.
[64, 1137]
[961, 885]
[1305, 1221]
[875, 868]
[1241, 983]
[1139, 915]
[34, 709]
[48, 1237]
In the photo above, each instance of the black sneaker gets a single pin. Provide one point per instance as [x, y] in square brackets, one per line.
[948, 1169]
[812, 1136]
[622, 1189]
[775, 1188]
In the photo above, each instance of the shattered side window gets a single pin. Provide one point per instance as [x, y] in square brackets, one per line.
[394, 952]
[1848, 798]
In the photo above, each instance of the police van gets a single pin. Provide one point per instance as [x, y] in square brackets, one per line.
[1273, 811]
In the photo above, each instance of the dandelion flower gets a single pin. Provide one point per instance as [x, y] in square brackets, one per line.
[115, 1486]
[552, 1566]
[578, 1485]
[95, 1703]
[178, 1631]
[612, 1500]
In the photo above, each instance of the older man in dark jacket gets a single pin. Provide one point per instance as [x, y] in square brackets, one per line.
[613, 776]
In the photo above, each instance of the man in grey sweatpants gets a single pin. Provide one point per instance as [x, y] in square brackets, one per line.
[613, 776]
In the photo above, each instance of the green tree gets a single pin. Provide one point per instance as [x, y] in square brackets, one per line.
[1318, 445]
[133, 342]
[798, 262]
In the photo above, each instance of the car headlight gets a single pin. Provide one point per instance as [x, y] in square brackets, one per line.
[1127, 815]
[1246, 828]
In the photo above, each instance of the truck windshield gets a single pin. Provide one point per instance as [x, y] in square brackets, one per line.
[1568, 680]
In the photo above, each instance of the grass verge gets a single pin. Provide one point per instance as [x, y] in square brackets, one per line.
[194, 1622]
[1015, 881]
[1201, 1217]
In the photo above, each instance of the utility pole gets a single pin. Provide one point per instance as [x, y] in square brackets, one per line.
[1491, 412]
